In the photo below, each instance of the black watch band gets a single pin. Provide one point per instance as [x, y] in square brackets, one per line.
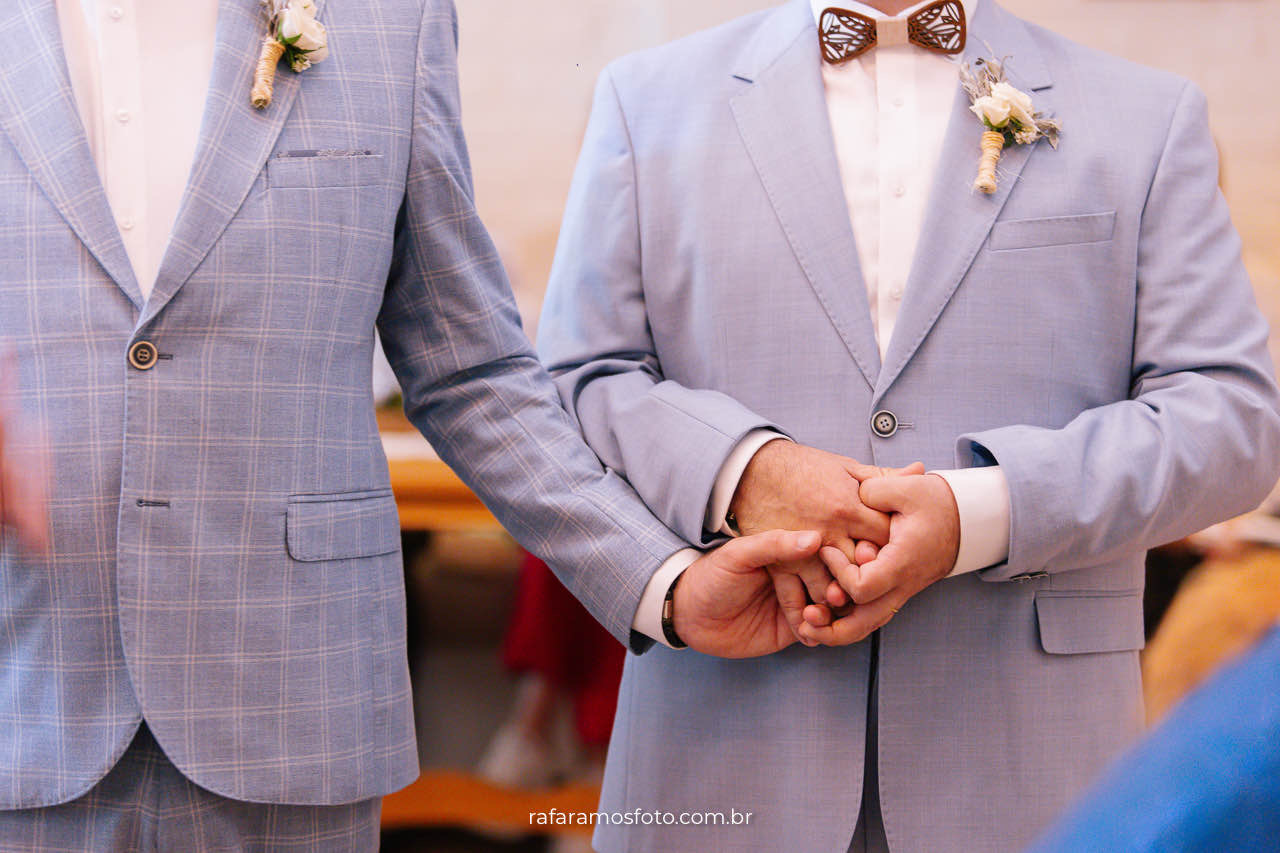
[668, 616]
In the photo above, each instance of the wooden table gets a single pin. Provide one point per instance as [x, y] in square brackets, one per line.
[429, 495]
[453, 798]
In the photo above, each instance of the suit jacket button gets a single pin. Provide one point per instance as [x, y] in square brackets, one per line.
[142, 355]
[884, 423]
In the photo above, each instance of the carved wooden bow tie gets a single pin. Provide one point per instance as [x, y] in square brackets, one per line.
[845, 35]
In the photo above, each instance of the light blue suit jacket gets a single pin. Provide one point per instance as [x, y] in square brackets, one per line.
[1089, 327]
[225, 557]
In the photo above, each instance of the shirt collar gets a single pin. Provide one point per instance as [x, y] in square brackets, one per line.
[818, 6]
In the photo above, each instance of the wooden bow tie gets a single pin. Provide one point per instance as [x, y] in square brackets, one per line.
[845, 35]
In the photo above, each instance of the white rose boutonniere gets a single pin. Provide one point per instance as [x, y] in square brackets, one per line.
[1007, 113]
[293, 33]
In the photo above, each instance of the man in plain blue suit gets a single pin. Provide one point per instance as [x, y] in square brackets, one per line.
[774, 262]
[202, 639]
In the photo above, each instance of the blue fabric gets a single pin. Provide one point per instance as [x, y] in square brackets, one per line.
[225, 558]
[1207, 779]
[145, 805]
[1089, 327]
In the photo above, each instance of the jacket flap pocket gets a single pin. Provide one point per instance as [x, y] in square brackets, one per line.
[1074, 622]
[1053, 231]
[315, 169]
[342, 526]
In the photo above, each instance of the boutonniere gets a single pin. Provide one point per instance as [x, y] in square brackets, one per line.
[292, 32]
[1007, 113]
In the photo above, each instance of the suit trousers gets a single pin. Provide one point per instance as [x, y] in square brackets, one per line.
[869, 834]
[145, 804]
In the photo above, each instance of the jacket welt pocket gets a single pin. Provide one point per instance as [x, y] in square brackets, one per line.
[1053, 231]
[315, 169]
[342, 526]
[1075, 622]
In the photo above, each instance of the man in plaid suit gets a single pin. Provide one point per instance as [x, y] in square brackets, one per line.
[203, 647]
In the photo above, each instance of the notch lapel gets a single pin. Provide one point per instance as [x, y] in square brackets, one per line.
[235, 141]
[782, 117]
[38, 113]
[958, 218]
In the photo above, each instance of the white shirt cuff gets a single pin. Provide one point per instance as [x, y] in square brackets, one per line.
[730, 474]
[982, 498]
[648, 619]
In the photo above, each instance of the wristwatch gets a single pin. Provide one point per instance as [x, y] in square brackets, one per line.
[669, 616]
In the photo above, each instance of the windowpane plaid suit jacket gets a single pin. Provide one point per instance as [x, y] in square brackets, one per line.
[225, 559]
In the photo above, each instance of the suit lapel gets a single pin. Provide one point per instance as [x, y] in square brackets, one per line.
[958, 219]
[782, 117]
[38, 113]
[235, 141]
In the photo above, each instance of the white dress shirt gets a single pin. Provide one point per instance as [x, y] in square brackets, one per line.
[889, 110]
[140, 73]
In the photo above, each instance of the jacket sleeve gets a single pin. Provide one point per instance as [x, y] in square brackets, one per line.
[668, 440]
[1198, 440]
[471, 382]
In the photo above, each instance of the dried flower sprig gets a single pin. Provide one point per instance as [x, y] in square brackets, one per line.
[1008, 115]
[293, 33]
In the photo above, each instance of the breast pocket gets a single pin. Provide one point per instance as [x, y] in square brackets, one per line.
[324, 168]
[323, 221]
[1052, 231]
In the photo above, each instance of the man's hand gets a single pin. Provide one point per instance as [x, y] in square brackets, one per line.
[924, 539]
[22, 478]
[793, 487]
[727, 605]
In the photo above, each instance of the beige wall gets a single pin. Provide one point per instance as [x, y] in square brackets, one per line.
[528, 70]
[528, 74]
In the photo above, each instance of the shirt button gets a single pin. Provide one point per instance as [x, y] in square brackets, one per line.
[123, 116]
[899, 101]
[896, 292]
[142, 355]
[126, 224]
[116, 13]
[899, 191]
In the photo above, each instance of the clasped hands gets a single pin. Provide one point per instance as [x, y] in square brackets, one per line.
[831, 550]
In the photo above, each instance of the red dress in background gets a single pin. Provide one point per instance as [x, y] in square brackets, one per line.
[554, 636]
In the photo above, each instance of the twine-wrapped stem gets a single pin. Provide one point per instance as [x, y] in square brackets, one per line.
[992, 146]
[264, 75]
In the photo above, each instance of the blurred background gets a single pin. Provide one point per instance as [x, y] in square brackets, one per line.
[511, 722]
[529, 70]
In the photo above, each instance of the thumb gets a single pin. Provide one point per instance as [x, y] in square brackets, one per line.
[750, 553]
[886, 494]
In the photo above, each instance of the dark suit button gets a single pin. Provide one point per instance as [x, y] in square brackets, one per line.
[884, 423]
[142, 355]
